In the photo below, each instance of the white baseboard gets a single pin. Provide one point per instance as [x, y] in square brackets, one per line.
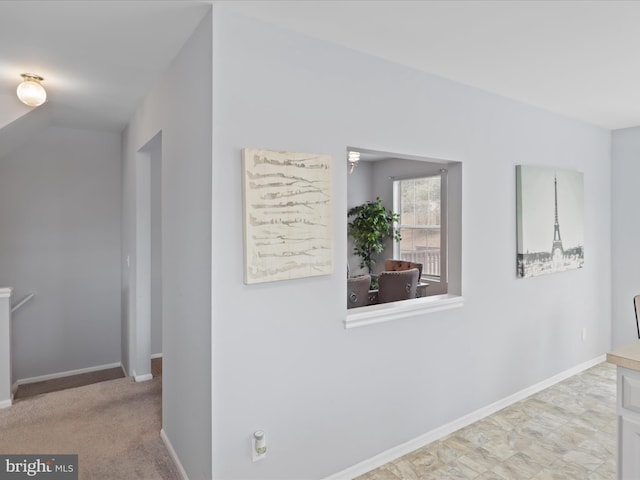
[68, 373]
[143, 378]
[173, 455]
[5, 403]
[440, 432]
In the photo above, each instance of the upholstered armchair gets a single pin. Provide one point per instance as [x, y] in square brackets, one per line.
[391, 265]
[397, 285]
[358, 291]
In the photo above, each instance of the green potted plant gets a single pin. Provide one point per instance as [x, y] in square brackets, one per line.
[371, 227]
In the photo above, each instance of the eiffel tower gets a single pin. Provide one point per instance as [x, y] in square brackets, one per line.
[556, 249]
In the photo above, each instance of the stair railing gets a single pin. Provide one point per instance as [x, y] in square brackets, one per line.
[22, 302]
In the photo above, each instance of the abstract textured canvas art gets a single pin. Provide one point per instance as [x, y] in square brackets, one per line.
[288, 226]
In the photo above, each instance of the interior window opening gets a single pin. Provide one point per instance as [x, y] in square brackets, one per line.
[397, 228]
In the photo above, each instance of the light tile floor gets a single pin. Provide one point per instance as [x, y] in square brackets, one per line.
[566, 432]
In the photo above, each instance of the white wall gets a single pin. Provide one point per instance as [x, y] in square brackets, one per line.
[60, 221]
[359, 191]
[326, 397]
[179, 107]
[625, 199]
[156, 246]
[21, 127]
[11, 108]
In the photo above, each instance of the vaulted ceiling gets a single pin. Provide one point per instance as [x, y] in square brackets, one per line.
[98, 58]
[576, 58]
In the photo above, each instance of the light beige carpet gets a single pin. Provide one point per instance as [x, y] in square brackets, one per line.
[113, 426]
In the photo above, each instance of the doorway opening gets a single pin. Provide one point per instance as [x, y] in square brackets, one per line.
[146, 330]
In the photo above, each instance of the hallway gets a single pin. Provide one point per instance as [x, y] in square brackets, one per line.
[113, 426]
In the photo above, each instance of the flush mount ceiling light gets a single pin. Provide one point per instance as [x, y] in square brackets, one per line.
[30, 92]
[353, 158]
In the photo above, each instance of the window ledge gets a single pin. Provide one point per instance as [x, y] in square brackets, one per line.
[387, 312]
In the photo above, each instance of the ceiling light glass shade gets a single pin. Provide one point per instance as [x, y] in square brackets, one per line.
[30, 92]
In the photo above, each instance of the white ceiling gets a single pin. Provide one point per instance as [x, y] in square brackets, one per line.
[98, 58]
[577, 58]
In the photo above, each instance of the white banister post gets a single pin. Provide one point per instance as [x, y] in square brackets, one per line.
[5, 347]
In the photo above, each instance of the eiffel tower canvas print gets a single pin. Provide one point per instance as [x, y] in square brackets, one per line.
[550, 220]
